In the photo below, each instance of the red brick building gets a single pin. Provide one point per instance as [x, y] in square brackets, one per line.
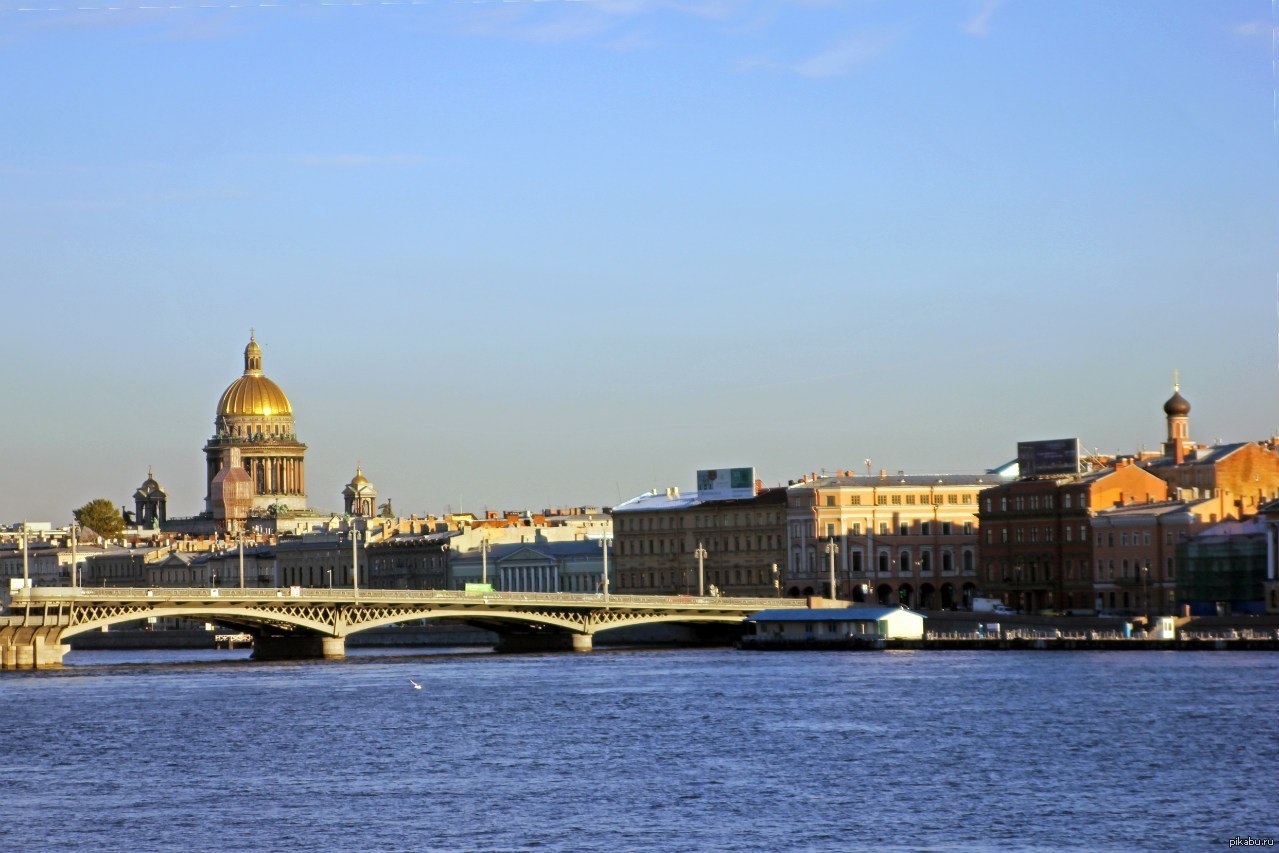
[1036, 544]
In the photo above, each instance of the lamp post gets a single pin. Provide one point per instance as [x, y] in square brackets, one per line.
[484, 560]
[777, 582]
[355, 560]
[328, 573]
[604, 546]
[26, 576]
[240, 543]
[832, 548]
[1145, 594]
[75, 534]
[701, 555]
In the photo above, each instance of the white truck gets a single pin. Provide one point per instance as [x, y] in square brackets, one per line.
[992, 605]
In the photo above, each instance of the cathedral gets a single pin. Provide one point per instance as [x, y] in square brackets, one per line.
[255, 467]
[254, 428]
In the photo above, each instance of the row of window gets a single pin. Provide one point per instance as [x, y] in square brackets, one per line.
[679, 545]
[903, 528]
[908, 500]
[1021, 503]
[1033, 571]
[1024, 533]
[905, 563]
[637, 522]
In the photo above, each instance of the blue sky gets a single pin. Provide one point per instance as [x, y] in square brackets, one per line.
[541, 253]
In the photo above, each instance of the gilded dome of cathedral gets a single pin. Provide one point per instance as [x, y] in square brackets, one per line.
[253, 394]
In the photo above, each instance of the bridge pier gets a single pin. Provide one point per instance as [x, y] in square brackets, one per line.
[29, 648]
[298, 647]
[544, 642]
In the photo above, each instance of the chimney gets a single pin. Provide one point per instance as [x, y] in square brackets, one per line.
[883, 473]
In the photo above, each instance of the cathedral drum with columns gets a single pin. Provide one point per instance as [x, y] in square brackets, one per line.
[256, 419]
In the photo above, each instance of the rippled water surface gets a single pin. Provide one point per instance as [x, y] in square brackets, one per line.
[623, 750]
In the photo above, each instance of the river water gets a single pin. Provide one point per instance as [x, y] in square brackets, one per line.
[687, 749]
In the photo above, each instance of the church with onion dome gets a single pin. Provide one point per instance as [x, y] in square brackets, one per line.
[255, 420]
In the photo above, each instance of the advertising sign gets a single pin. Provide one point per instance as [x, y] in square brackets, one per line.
[1047, 458]
[719, 484]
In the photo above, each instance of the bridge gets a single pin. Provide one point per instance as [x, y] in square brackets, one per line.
[294, 623]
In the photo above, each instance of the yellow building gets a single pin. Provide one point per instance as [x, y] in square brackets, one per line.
[904, 539]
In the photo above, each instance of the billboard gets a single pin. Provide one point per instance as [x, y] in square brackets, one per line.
[1053, 457]
[720, 484]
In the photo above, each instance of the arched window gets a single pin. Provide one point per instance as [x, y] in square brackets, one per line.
[903, 562]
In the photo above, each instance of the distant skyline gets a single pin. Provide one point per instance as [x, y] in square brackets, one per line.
[516, 255]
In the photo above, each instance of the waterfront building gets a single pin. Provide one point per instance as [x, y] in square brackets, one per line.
[320, 560]
[1134, 553]
[410, 560]
[903, 539]
[1036, 546]
[575, 566]
[658, 535]
[123, 567]
[1269, 515]
[256, 418]
[1224, 569]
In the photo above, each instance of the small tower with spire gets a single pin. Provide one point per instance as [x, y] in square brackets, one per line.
[359, 496]
[150, 502]
[1177, 410]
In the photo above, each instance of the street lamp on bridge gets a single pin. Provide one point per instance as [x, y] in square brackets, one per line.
[604, 546]
[701, 555]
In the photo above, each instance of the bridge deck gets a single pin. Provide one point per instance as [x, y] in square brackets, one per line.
[38, 596]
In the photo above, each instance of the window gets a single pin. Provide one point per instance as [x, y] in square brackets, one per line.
[926, 528]
[1034, 501]
[945, 528]
[857, 528]
[910, 499]
[830, 500]
[897, 499]
[904, 528]
[1065, 501]
[1068, 531]
[883, 528]
[830, 530]
[856, 500]
[903, 562]
[881, 500]
[968, 527]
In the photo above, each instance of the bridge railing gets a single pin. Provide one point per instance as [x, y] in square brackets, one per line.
[41, 594]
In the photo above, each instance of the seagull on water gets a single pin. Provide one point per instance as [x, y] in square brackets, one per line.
[416, 686]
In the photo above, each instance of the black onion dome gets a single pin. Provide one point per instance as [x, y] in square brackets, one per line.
[1177, 405]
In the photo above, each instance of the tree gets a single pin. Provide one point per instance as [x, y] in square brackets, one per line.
[101, 516]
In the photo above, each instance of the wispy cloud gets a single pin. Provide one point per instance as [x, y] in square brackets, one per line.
[357, 161]
[1249, 29]
[979, 24]
[847, 55]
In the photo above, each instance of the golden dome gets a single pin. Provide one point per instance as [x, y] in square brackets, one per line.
[253, 394]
